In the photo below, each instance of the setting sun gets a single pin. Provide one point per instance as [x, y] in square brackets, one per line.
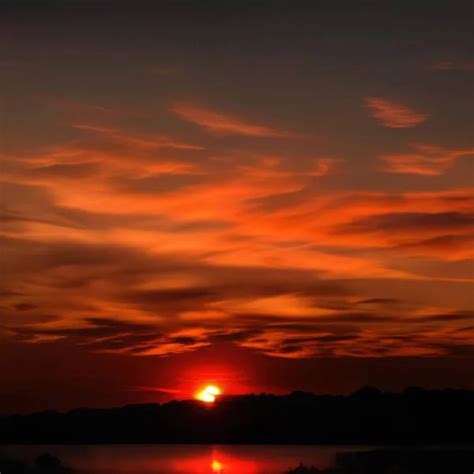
[209, 394]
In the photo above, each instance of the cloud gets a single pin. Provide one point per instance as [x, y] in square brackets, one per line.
[447, 316]
[147, 143]
[444, 235]
[374, 333]
[414, 222]
[425, 160]
[392, 114]
[452, 247]
[76, 110]
[142, 244]
[465, 66]
[25, 306]
[379, 301]
[383, 338]
[364, 221]
[225, 124]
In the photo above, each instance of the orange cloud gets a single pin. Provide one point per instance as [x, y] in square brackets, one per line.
[225, 124]
[366, 220]
[109, 154]
[141, 244]
[392, 114]
[426, 160]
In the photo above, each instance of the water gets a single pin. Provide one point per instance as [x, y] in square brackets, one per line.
[183, 459]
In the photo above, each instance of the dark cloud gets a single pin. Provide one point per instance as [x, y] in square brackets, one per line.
[25, 306]
[458, 246]
[172, 296]
[412, 222]
[446, 317]
[380, 301]
[92, 327]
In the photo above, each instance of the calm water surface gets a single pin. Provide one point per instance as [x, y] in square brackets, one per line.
[183, 459]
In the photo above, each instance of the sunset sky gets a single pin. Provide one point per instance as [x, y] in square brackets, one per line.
[269, 196]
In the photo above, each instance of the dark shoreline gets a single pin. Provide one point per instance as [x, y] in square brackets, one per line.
[368, 417]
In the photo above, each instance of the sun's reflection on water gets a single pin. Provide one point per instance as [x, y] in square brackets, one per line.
[217, 467]
[218, 461]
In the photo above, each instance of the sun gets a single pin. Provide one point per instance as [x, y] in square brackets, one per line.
[209, 394]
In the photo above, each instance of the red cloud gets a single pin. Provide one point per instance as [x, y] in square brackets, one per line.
[392, 114]
[225, 124]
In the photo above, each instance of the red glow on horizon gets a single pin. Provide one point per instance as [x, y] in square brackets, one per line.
[219, 461]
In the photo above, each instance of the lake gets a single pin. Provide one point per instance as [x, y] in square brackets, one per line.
[183, 459]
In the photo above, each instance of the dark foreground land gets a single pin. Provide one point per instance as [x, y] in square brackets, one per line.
[44, 464]
[398, 461]
[368, 416]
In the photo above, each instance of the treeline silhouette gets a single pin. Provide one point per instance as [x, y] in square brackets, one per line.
[44, 464]
[397, 461]
[368, 416]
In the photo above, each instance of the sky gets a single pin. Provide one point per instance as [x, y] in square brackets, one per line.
[268, 196]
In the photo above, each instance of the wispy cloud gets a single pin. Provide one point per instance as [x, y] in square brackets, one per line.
[223, 123]
[150, 142]
[425, 160]
[467, 66]
[392, 114]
